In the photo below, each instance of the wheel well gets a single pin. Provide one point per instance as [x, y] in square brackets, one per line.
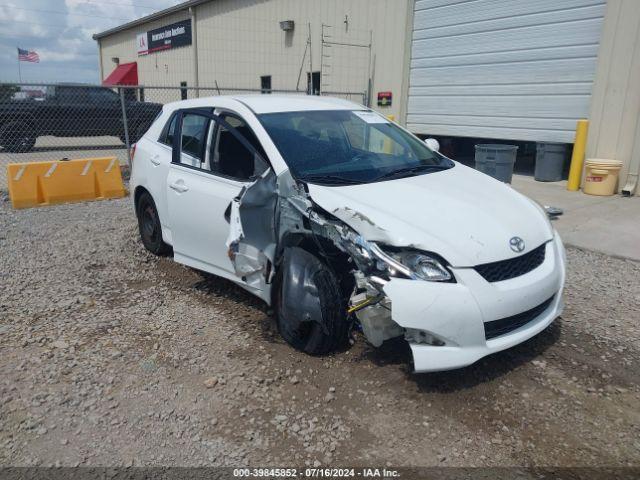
[23, 122]
[138, 193]
[327, 252]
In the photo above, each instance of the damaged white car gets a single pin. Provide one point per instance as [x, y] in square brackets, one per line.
[340, 219]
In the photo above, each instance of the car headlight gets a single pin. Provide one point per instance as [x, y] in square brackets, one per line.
[425, 267]
[412, 264]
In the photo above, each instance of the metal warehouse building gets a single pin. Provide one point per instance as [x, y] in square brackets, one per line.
[266, 44]
[494, 69]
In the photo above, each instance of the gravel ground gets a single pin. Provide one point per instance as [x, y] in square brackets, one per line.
[110, 356]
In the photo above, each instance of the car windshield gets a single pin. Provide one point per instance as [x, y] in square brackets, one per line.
[343, 147]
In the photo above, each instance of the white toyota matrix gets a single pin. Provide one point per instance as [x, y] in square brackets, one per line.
[340, 219]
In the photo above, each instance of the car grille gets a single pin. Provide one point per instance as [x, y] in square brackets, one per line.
[503, 326]
[514, 267]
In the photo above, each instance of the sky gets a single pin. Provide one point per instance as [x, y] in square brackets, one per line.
[60, 32]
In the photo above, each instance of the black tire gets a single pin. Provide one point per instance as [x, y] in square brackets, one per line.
[149, 225]
[18, 137]
[304, 285]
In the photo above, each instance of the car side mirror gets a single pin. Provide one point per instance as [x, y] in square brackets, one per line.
[433, 144]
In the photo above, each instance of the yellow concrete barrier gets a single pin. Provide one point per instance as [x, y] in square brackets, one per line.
[34, 184]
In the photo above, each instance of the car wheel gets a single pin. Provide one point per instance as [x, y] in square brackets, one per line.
[310, 311]
[18, 137]
[149, 225]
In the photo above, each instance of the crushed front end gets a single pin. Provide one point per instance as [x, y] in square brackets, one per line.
[443, 312]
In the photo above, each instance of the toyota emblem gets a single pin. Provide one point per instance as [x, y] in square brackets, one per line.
[517, 244]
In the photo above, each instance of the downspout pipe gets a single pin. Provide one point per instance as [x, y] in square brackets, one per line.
[194, 46]
[406, 67]
[100, 61]
[634, 166]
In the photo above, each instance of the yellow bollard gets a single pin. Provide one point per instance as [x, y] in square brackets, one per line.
[577, 158]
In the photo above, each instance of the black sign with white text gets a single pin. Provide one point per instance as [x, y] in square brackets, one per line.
[164, 38]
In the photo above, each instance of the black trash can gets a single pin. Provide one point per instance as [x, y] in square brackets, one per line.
[496, 160]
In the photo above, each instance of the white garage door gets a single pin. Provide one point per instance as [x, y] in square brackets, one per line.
[504, 69]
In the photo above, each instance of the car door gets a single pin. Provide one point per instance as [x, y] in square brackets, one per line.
[201, 185]
[67, 112]
[104, 111]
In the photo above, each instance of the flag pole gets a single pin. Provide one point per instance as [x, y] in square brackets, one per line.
[19, 70]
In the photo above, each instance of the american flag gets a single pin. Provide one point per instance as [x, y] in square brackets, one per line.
[28, 56]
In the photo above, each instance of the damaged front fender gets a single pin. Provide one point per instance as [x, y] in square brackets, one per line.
[252, 238]
[271, 211]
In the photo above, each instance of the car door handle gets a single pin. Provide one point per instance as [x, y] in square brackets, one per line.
[178, 187]
[155, 159]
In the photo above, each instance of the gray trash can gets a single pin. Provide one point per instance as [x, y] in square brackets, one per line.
[496, 160]
[550, 159]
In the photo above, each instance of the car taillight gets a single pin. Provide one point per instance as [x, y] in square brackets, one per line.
[132, 152]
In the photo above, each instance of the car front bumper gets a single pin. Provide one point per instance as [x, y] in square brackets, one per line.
[455, 313]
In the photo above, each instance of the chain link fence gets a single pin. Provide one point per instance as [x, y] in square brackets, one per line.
[42, 122]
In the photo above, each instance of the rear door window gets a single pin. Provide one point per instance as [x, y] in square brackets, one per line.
[71, 95]
[102, 96]
[194, 129]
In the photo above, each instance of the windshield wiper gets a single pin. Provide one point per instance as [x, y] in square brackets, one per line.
[409, 170]
[329, 179]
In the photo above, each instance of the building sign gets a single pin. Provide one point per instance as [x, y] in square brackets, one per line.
[384, 99]
[141, 43]
[164, 38]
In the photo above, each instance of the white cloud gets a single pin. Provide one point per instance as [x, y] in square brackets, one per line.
[61, 32]
[20, 23]
[98, 16]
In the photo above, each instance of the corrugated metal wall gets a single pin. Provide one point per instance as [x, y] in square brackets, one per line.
[614, 130]
[506, 69]
[240, 40]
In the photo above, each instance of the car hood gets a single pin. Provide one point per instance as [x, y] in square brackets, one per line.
[463, 215]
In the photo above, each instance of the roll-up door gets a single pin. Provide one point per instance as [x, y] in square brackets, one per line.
[505, 69]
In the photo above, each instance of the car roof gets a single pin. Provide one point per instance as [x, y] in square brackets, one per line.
[272, 103]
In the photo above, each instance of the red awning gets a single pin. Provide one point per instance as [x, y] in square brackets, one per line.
[123, 74]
